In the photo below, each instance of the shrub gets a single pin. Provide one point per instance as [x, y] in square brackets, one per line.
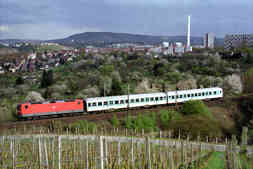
[167, 115]
[128, 122]
[107, 69]
[248, 81]
[195, 107]
[47, 79]
[146, 122]
[196, 125]
[19, 80]
[149, 122]
[116, 87]
[115, 121]
[7, 110]
[159, 69]
[173, 77]
[73, 85]
[83, 125]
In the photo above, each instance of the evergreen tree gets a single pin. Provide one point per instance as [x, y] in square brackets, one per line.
[116, 87]
[19, 80]
[47, 79]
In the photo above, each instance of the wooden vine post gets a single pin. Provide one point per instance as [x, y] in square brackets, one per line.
[100, 152]
[59, 152]
[148, 159]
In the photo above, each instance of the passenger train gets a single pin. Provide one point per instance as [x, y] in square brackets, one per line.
[97, 104]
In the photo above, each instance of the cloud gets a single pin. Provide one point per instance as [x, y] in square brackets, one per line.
[167, 3]
[4, 28]
[49, 19]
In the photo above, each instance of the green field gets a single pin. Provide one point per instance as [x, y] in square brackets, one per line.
[216, 161]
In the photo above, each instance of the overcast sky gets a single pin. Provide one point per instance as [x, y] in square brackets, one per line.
[50, 19]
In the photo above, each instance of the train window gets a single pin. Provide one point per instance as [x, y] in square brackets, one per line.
[105, 103]
[152, 99]
[142, 99]
[99, 103]
[132, 100]
[89, 104]
[26, 107]
[147, 99]
[126, 101]
[116, 102]
[196, 94]
[177, 96]
[121, 101]
[184, 95]
[220, 92]
[161, 98]
[192, 95]
[203, 94]
[199, 94]
[210, 93]
[165, 97]
[173, 97]
[137, 100]
[94, 104]
[206, 93]
[181, 96]
[188, 95]
[156, 98]
[214, 92]
[111, 102]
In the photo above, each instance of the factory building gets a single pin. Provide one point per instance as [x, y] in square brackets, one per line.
[209, 40]
[178, 47]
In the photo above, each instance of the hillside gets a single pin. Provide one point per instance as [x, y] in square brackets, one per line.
[103, 38]
[109, 37]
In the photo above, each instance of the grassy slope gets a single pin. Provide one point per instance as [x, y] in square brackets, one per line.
[216, 161]
[244, 162]
[223, 116]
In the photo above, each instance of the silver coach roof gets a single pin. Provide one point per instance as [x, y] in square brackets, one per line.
[196, 90]
[149, 94]
[124, 96]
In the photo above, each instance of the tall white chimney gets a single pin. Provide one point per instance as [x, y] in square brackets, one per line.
[189, 32]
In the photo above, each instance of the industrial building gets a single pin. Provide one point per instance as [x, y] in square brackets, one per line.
[209, 40]
[236, 40]
[178, 47]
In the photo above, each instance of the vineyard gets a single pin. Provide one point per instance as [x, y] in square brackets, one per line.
[46, 150]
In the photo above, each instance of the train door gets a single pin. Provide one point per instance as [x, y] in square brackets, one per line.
[85, 106]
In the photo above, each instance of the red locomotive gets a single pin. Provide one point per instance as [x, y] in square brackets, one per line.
[31, 110]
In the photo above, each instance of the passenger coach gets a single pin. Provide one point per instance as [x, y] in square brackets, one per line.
[142, 100]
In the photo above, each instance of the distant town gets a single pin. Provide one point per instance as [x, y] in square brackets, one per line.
[44, 60]
[55, 54]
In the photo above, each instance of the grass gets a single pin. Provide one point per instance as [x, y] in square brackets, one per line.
[216, 161]
[244, 162]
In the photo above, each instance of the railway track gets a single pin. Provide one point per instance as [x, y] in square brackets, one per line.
[97, 117]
